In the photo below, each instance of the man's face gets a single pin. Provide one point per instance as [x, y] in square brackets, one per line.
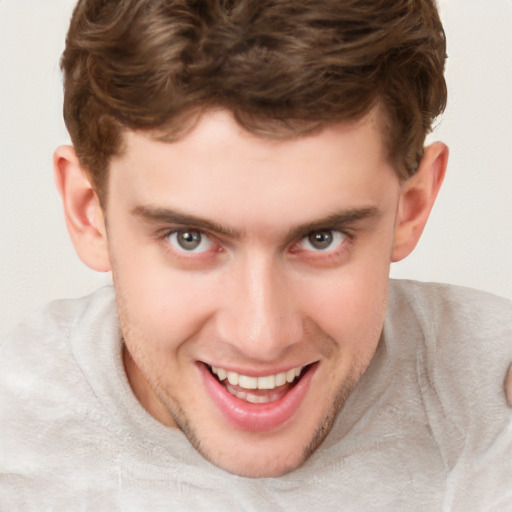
[251, 279]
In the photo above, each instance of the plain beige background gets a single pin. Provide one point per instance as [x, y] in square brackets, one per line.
[468, 240]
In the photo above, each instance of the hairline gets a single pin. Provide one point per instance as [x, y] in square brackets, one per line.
[174, 131]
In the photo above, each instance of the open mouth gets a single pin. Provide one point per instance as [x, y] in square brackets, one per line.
[258, 404]
[258, 390]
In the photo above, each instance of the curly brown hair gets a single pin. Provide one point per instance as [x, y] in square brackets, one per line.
[284, 68]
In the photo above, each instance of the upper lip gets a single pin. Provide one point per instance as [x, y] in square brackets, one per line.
[251, 372]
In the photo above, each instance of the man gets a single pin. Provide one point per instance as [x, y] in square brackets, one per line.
[248, 171]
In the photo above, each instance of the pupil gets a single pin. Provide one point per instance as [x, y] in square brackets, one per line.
[321, 239]
[189, 239]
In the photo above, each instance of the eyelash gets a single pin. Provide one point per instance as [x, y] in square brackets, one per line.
[329, 255]
[189, 256]
[295, 250]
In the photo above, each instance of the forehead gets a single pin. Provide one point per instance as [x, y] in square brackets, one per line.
[220, 169]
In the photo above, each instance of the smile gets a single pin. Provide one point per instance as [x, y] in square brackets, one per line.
[258, 403]
[267, 382]
[274, 386]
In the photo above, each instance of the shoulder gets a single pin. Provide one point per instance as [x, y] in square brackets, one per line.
[467, 328]
[52, 328]
[46, 397]
[40, 353]
[453, 302]
[453, 318]
[446, 295]
[39, 366]
[462, 339]
[461, 342]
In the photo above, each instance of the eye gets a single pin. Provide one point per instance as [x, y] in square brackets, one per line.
[189, 240]
[324, 240]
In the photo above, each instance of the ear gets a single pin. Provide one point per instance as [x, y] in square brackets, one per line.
[417, 198]
[83, 213]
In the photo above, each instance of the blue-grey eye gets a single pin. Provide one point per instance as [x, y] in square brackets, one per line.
[323, 240]
[190, 240]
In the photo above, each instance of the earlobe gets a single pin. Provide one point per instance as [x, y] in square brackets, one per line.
[417, 199]
[82, 210]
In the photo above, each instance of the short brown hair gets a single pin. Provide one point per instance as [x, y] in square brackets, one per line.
[282, 67]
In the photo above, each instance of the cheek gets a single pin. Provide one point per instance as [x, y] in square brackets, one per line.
[161, 303]
[350, 305]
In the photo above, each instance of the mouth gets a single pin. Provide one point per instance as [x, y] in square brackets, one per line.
[258, 403]
[258, 390]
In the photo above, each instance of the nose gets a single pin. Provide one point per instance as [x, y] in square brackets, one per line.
[259, 314]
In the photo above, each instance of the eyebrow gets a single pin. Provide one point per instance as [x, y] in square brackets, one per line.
[168, 216]
[335, 220]
[340, 219]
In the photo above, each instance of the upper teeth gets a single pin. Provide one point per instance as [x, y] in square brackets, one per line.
[266, 382]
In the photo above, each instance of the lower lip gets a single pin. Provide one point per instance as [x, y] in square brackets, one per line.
[257, 417]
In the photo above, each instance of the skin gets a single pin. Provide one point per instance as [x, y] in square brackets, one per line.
[257, 297]
[508, 386]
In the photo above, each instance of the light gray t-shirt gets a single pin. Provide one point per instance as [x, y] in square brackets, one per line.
[426, 429]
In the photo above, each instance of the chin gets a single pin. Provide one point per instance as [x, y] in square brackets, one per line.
[260, 455]
[268, 466]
